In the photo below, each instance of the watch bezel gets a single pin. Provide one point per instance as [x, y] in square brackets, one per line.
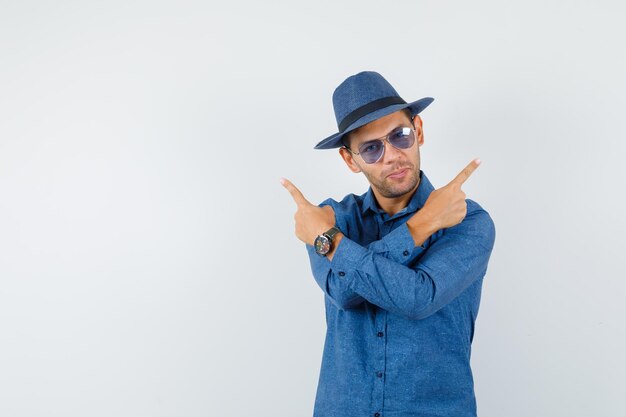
[319, 245]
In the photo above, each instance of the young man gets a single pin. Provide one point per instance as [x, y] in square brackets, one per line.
[401, 267]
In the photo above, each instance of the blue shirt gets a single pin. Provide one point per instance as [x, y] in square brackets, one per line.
[400, 318]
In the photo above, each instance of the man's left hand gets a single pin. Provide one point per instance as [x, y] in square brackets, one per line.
[311, 220]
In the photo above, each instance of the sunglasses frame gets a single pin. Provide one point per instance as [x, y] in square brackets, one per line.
[384, 139]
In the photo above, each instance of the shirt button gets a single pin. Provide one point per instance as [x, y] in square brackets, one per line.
[379, 374]
[380, 334]
[342, 274]
[405, 253]
[376, 414]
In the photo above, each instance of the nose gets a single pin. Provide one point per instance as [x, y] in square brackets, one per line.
[390, 153]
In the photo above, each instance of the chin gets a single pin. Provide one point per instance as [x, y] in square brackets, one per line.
[398, 190]
[395, 193]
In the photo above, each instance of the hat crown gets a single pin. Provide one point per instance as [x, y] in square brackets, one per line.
[359, 90]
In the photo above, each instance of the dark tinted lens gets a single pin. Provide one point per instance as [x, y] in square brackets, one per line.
[371, 151]
[402, 138]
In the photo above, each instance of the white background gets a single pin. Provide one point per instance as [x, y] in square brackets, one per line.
[148, 265]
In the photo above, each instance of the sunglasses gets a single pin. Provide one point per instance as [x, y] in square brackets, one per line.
[372, 150]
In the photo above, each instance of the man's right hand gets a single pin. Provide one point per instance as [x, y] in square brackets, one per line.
[445, 207]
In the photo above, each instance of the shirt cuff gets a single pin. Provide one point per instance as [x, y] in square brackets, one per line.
[347, 256]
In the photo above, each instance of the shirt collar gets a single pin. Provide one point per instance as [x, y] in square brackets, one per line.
[416, 202]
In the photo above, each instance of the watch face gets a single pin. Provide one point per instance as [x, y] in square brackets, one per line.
[322, 245]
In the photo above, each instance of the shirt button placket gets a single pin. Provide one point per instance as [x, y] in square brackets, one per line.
[381, 341]
[380, 362]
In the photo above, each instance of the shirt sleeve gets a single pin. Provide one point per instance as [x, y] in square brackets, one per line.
[398, 246]
[452, 263]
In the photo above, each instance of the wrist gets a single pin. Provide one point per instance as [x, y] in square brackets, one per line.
[336, 241]
[421, 226]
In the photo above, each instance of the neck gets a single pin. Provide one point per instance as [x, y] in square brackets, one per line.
[392, 205]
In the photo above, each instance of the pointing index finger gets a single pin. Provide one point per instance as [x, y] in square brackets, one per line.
[466, 172]
[298, 197]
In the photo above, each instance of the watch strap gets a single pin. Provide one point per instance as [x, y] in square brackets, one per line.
[332, 232]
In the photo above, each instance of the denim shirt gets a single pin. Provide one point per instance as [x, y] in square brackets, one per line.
[400, 318]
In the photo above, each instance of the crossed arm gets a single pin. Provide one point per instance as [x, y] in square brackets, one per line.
[385, 273]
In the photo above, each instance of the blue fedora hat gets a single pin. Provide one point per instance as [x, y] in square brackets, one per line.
[363, 98]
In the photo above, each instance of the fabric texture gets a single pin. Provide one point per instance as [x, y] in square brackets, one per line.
[400, 319]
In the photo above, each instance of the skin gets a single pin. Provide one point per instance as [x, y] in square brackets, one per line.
[445, 207]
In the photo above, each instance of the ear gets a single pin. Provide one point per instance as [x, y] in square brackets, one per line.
[349, 160]
[417, 123]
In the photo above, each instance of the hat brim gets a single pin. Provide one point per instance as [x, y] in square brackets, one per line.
[334, 141]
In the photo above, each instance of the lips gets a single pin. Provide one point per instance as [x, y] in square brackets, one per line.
[399, 173]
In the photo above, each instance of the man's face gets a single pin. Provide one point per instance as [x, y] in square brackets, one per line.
[397, 171]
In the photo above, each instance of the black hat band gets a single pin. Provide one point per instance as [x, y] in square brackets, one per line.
[368, 108]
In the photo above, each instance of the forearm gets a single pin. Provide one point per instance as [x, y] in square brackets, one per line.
[397, 246]
[413, 292]
[336, 289]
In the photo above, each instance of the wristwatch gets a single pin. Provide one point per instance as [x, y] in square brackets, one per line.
[324, 242]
